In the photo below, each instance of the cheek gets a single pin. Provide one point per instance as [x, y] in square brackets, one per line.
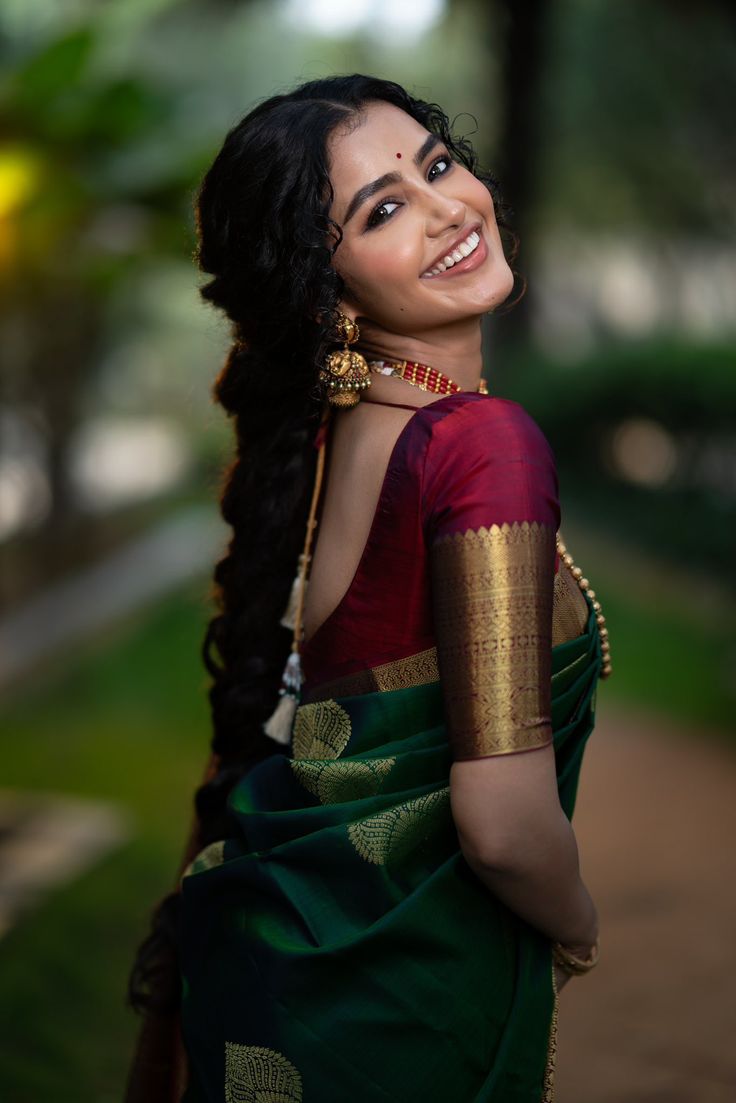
[390, 261]
[378, 268]
[482, 200]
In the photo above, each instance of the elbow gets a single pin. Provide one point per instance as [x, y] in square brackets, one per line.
[506, 809]
[517, 845]
[499, 852]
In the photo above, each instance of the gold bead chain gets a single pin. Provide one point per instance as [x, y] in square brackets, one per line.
[584, 585]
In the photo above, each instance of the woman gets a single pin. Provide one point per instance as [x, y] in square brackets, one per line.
[381, 896]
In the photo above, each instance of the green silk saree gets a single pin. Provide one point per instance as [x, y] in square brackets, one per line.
[337, 947]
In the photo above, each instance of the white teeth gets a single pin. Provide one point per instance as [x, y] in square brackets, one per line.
[464, 249]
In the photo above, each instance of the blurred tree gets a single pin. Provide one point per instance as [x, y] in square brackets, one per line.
[524, 31]
[74, 223]
[613, 114]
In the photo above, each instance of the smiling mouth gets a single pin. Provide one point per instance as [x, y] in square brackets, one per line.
[464, 257]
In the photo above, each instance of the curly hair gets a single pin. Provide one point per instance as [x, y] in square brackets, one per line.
[265, 237]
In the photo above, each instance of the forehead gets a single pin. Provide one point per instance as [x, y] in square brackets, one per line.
[367, 148]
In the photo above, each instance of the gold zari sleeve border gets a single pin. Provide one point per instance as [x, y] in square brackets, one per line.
[492, 605]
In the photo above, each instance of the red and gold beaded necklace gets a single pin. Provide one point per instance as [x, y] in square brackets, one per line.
[421, 375]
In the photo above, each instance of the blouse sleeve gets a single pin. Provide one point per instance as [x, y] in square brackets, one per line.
[491, 515]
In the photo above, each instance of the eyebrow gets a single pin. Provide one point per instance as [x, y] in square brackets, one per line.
[364, 193]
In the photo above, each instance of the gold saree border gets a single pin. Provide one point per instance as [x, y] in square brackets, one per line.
[413, 670]
[492, 593]
[548, 1095]
[570, 609]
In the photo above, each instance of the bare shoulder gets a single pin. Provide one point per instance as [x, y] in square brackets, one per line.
[365, 436]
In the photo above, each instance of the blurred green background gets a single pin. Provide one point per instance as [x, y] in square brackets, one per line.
[609, 127]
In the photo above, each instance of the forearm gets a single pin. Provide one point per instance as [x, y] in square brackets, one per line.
[541, 882]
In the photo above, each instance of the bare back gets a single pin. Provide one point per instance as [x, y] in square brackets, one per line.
[361, 443]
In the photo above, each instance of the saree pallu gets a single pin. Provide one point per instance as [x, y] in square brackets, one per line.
[338, 947]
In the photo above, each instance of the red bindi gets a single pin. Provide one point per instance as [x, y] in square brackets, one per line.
[398, 154]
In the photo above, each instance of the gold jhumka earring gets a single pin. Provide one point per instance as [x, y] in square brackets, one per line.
[345, 373]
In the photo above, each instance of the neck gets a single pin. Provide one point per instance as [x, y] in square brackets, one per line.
[455, 351]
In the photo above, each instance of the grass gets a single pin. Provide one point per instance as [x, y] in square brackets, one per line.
[126, 719]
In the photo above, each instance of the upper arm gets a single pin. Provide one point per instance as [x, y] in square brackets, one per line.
[491, 519]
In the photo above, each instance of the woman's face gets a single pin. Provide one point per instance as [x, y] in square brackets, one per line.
[395, 231]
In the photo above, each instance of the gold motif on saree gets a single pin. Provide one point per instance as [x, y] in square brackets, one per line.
[255, 1074]
[492, 592]
[321, 730]
[395, 831]
[208, 858]
[570, 610]
[344, 779]
[412, 670]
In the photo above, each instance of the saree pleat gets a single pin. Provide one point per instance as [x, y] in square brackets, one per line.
[337, 945]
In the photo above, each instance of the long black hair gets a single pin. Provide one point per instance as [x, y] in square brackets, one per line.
[265, 238]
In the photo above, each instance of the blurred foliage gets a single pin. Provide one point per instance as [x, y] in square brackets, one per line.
[635, 115]
[72, 121]
[75, 225]
[687, 390]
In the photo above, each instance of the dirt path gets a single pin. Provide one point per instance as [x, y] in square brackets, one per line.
[656, 826]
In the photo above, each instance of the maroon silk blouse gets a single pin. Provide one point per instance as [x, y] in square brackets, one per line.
[458, 577]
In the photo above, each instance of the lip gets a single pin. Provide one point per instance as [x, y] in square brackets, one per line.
[467, 264]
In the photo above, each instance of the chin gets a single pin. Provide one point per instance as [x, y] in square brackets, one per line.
[494, 291]
[502, 288]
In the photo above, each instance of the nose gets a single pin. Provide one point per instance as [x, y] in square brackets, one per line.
[443, 211]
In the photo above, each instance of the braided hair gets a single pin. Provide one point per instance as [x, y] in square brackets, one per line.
[265, 238]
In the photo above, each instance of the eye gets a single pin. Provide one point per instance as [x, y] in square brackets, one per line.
[374, 220]
[444, 160]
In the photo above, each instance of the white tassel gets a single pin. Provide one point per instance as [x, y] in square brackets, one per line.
[280, 722]
[288, 620]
